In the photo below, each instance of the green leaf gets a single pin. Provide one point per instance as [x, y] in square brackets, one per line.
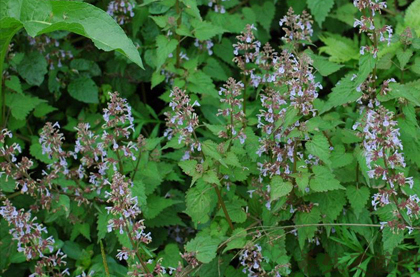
[41, 16]
[320, 9]
[164, 48]
[84, 89]
[391, 240]
[404, 56]
[210, 149]
[191, 8]
[206, 30]
[340, 49]
[323, 65]
[21, 104]
[14, 84]
[200, 201]
[320, 148]
[211, 177]
[43, 109]
[307, 232]
[156, 204]
[237, 240]
[339, 157]
[366, 65]
[358, 197]
[324, 180]
[279, 188]
[33, 68]
[412, 18]
[204, 247]
[82, 229]
[235, 210]
[344, 92]
[265, 14]
[102, 223]
[215, 70]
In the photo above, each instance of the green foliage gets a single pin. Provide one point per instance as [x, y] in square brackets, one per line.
[290, 176]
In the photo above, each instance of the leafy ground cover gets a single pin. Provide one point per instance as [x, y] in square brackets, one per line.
[209, 138]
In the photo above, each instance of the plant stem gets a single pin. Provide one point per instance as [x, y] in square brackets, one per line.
[178, 37]
[104, 259]
[222, 203]
[143, 264]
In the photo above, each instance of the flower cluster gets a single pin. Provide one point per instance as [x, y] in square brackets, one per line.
[247, 49]
[297, 27]
[251, 258]
[182, 120]
[382, 147]
[118, 113]
[206, 44]
[27, 233]
[121, 10]
[366, 25]
[51, 265]
[55, 56]
[233, 111]
[125, 208]
[190, 258]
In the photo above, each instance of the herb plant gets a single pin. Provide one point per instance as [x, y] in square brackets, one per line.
[209, 138]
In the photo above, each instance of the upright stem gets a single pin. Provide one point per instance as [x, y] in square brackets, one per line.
[219, 195]
[222, 203]
[143, 264]
[104, 259]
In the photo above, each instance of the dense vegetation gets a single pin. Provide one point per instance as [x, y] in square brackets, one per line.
[209, 138]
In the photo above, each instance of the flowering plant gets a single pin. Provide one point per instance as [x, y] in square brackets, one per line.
[257, 139]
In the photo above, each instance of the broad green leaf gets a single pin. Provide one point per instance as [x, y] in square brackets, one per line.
[265, 14]
[156, 204]
[279, 188]
[344, 92]
[42, 16]
[43, 109]
[191, 8]
[340, 49]
[366, 65]
[404, 56]
[237, 240]
[412, 18]
[102, 223]
[206, 30]
[324, 180]
[358, 197]
[204, 247]
[84, 89]
[211, 177]
[323, 65]
[303, 218]
[235, 210]
[345, 13]
[320, 9]
[80, 228]
[320, 148]
[33, 68]
[200, 202]
[215, 70]
[339, 157]
[408, 91]
[21, 104]
[13, 83]
[391, 240]
[164, 48]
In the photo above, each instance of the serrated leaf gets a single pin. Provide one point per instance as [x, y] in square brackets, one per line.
[21, 104]
[307, 232]
[404, 56]
[13, 83]
[237, 240]
[391, 240]
[206, 30]
[412, 18]
[156, 204]
[235, 210]
[320, 148]
[324, 180]
[344, 92]
[33, 68]
[204, 247]
[340, 49]
[210, 177]
[164, 48]
[264, 14]
[320, 9]
[200, 202]
[279, 188]
[84, 89]
[80, 228]
[323, 65]
[358, 197]
[43, 109]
